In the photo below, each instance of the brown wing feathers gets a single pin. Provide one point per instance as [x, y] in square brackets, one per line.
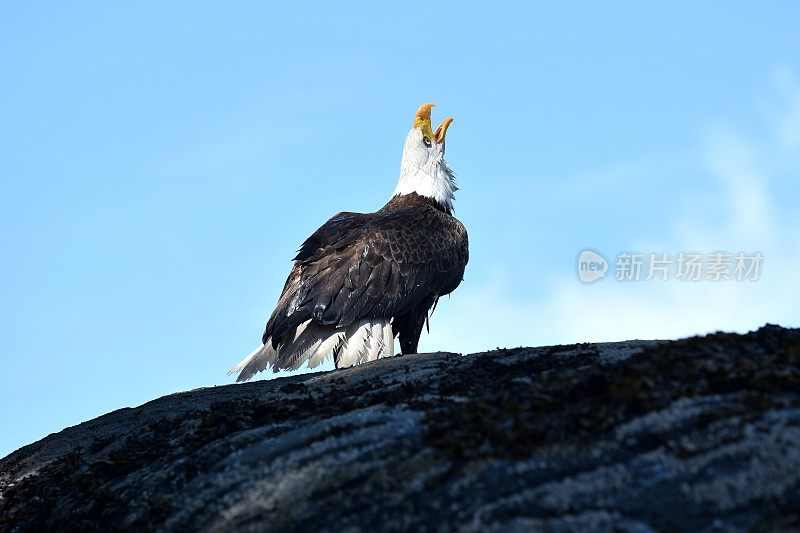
[379, 265]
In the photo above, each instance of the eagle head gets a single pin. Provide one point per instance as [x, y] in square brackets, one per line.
[423, 169]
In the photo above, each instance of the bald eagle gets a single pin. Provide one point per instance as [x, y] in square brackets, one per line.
[364, 278]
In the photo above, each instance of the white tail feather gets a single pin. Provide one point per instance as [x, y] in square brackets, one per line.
[366, 340]
[255, 362]
[362, 341]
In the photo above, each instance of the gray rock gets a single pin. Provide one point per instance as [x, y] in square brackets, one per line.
[696, 434]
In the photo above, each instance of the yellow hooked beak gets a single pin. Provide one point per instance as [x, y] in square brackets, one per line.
[422, 120]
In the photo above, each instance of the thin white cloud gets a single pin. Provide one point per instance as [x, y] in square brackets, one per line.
[751, 216]
[788, 117]
[745, 187]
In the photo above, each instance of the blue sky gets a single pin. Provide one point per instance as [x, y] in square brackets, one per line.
[161, 163]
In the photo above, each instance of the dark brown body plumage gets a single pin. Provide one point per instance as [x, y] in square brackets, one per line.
[393, 263]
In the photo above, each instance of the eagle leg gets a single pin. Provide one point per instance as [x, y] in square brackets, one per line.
[409, 326]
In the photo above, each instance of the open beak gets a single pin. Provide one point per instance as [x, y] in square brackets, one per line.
[422, 120]
[441, 131]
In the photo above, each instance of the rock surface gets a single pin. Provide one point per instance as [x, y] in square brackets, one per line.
[695, 434]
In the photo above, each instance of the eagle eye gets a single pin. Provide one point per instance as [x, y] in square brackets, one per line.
[426, 141]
